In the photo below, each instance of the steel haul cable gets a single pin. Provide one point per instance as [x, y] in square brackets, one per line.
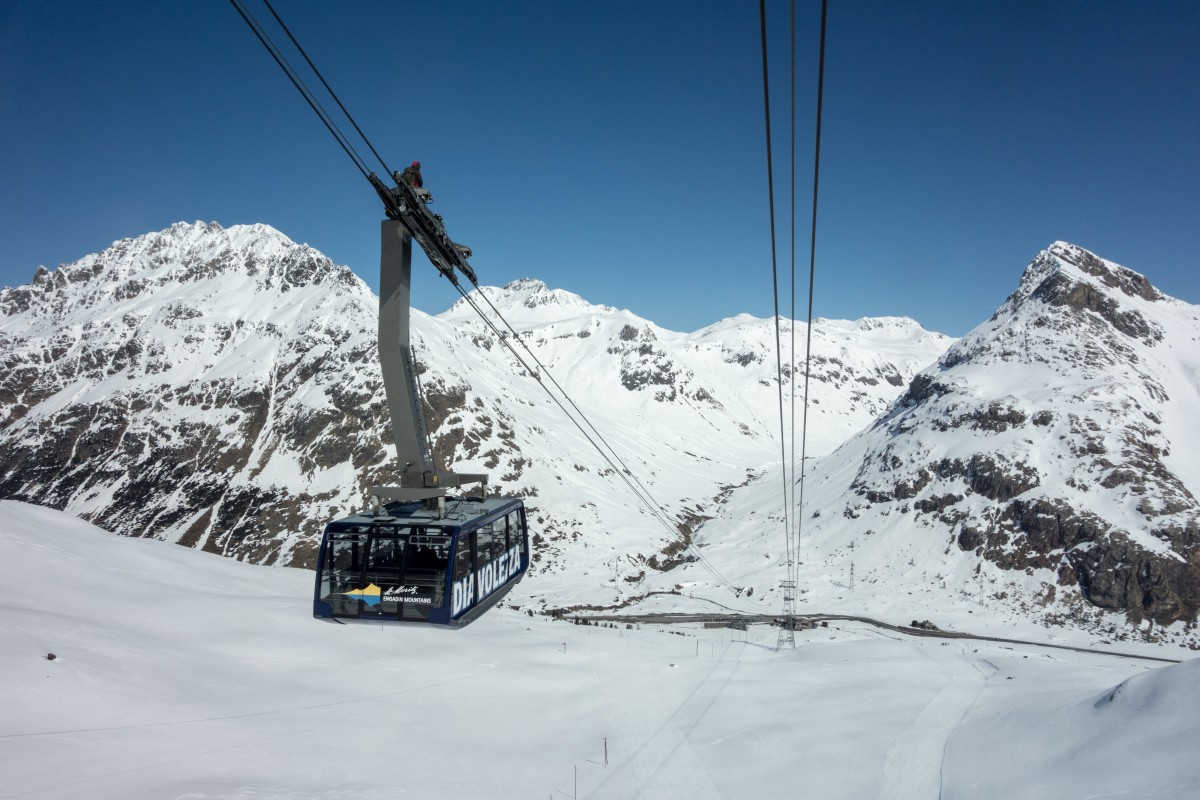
[328, 88]
[793, 532]
[812, 266]
[623, 471]
[300, 85]
[762, 16]
[792, 566]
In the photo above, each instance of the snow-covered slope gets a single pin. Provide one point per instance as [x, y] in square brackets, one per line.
[1043, 468]
[179, 674]
[220, 388]
[1144, 724]
[722, 377]
[692, 417]
[207, 386]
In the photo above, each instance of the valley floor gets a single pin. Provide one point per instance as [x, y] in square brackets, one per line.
[183, 675]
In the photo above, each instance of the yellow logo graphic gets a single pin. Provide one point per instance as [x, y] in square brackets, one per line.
[369, 595]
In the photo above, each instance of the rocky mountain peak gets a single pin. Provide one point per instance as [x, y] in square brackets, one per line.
[898, 324]
[175, 380]
[1114, 276]
[528, 301]
[240, 261]
[1065, 280]
[532, 285]
[1043, 441]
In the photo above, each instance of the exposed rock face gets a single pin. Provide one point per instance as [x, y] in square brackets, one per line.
[1061, 412]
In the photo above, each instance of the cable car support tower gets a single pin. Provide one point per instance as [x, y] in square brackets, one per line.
[409, 219]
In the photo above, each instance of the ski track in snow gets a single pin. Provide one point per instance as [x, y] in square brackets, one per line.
[663, 762]
[914, 765]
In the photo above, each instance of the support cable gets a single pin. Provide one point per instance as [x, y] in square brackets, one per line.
[301, 87]
[328, 88]
[549, 375]
[650, 499]
[812, 266]
[762, 16]
[793, 565]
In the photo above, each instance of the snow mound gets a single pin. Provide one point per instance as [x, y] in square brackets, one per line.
[1127, 741]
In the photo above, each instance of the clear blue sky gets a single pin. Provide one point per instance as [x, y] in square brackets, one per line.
[617, 149]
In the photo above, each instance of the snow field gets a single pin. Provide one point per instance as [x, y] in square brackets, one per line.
[180, 674]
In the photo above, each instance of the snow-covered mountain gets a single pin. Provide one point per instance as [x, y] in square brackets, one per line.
[212, 387]
[220, 388]
[1044, 466]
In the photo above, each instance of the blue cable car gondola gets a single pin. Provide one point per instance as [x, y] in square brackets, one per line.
[408, 565]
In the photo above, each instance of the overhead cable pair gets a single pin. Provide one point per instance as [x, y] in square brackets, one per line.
[792, 512]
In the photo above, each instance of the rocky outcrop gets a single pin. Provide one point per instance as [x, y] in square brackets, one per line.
[1040, 440]
[196, 385]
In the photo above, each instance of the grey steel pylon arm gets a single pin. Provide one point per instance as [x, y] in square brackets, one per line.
[419, 480]
[395, 351]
